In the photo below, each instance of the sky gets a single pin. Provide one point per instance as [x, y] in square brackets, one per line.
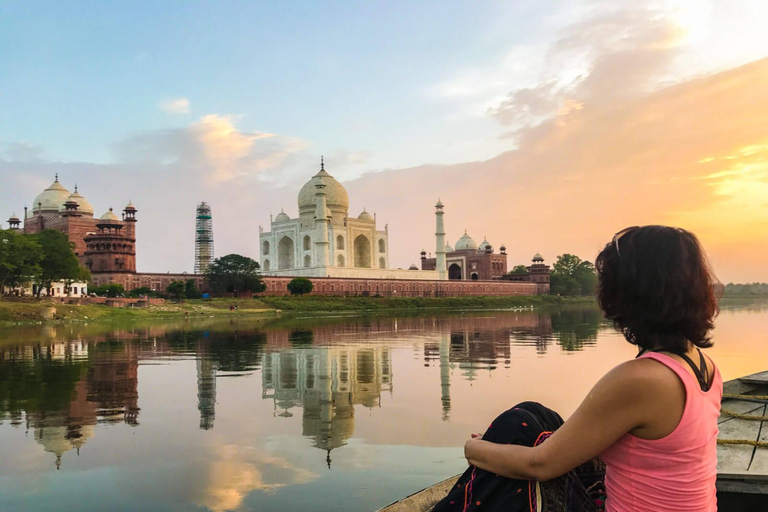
[545, 126]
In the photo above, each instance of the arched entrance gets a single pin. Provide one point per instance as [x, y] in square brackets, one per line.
[285, 253]
[474, 276]
[340, 260]
[382, 263]
[454, 272]
[362, 252]
[307, 261]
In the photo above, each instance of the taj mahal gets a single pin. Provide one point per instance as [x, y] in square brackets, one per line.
[324, 241]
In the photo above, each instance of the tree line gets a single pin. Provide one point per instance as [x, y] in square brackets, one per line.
[40, 259]
[570, 275]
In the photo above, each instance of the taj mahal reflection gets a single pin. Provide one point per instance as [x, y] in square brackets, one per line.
[62, 388]
[327, 383]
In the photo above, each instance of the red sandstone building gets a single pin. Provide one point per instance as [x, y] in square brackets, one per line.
[106, 245]
[470, 262]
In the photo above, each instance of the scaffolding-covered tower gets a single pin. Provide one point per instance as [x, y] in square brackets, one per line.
[203, 238]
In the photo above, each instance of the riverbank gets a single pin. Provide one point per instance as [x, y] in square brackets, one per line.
[24, 312]
[21, 312]
[317, 303]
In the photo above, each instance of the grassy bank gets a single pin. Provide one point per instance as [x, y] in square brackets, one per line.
[14, 312]
[322, 304]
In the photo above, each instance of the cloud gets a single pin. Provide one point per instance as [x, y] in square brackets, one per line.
[238, 471]
[690, 153]
[211, 147]
[176, 106]
[23, 152]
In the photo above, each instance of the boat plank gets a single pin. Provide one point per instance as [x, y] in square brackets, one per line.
[423, 501]
[734, 460]
[740, 407]
[756, 378]
[760, 462]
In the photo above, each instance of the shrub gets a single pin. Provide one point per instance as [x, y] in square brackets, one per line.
[300, 286]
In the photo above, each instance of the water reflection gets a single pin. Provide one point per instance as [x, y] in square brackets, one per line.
[326, 383]
[61, 391]
[234, 411]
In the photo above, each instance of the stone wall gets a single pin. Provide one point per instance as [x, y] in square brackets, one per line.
[356, 273]
[407, 288]
[157, 282]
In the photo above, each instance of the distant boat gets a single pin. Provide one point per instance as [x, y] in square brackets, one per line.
[742, 452]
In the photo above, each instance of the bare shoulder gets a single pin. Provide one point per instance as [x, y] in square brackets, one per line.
[639, 377]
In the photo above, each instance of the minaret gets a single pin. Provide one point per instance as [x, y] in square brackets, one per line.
[321, 227]
[440, 241]
[129, 217]
[445, 374]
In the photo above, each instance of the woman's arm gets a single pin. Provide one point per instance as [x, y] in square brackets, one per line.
[620, 402]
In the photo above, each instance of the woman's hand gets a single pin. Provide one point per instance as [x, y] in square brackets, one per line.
[470, 445]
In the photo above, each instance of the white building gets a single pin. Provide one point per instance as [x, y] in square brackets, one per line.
[59, 289]
[324, 241]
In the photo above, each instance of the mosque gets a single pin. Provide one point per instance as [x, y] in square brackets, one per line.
[105, 245]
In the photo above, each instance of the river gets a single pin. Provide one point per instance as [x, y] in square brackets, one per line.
[341, 413]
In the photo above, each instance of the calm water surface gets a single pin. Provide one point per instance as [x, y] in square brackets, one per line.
[302, 414]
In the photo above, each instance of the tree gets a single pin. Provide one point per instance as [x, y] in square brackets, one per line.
[20, 257]
[141, 291]
[234, 272]
[177, 290]
[300, 286]
[59, 262]
[108, 290]
[572, 276]
[83, 275]
[519, 269]
[191, 291]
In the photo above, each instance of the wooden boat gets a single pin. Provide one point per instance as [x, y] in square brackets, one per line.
[742, 468]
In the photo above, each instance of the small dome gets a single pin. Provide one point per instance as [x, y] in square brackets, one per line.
[439, 204]
[129, 207]
[485, 245]
[14, 218]
[83, 206]
[538, 257]
[448, 248]
[110, 215]
[365, 216]
[413, 267]
[282, 217]
[52, 197]
[335, 194]
[466, 243]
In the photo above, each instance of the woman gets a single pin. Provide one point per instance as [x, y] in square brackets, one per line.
[652, 420]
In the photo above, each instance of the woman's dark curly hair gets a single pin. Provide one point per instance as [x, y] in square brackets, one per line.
[655, 284]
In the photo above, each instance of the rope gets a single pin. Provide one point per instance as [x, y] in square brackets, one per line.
[743, 416]
[745, 397]
[759, 444]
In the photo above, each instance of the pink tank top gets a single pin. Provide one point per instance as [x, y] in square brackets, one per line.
[676, 473]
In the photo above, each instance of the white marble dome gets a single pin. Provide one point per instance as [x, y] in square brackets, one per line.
[448, 248]
[110, 215]
[365, 216]
[335, 193]
[485, 245]
[52, 197]
[83, 206]
[466, 243]
[282, 217]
